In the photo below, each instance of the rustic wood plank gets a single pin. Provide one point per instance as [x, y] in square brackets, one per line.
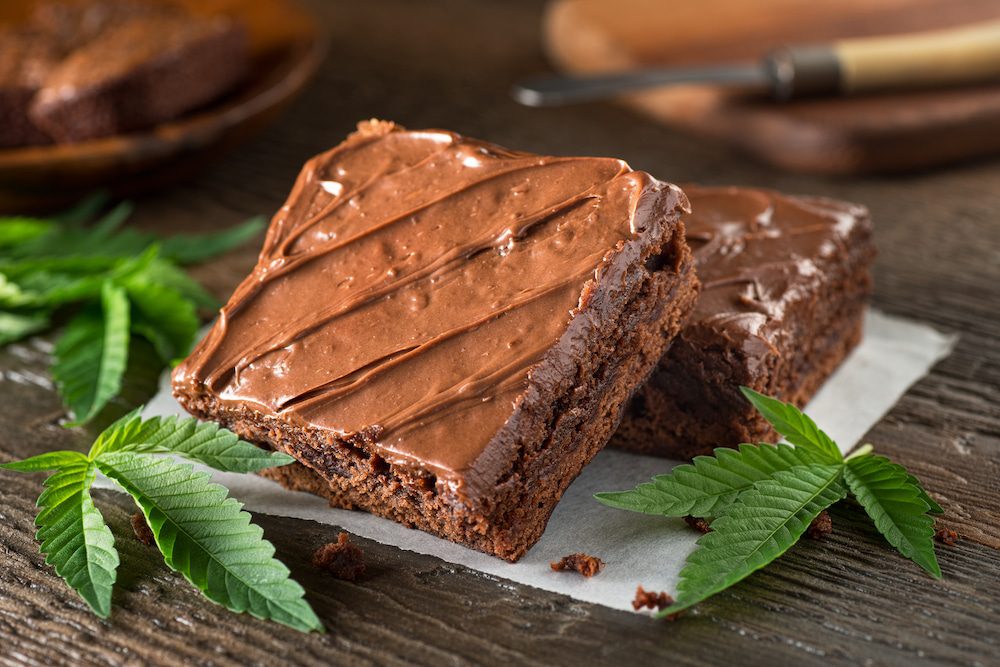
[837, 600]
[845, 600]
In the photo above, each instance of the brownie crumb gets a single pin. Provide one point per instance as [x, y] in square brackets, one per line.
[142, 530]
[343, 559]
[945, 536]
[586, 565]
[698, 523]
[821, 526]
[651, 600]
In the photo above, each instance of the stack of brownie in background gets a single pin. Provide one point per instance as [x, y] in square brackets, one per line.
[444, 332]
[77, 70]
[785, 281]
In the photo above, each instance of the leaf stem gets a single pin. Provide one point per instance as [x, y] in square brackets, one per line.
[863, 450]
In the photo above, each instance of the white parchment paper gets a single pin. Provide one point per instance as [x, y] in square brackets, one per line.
[638, 549]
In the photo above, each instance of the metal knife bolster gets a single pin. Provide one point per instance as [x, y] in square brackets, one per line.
[803, 71]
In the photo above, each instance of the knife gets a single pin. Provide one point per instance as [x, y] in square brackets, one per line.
[937, 58]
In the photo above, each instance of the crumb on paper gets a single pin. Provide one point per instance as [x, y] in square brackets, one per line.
[698, 523]
[586, 565]
[945, 536]
[142, 530]
[821, 526]
[343, 559]
[652, 600]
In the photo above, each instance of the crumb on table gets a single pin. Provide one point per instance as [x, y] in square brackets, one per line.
[586, 565]
[821, 526]
[142, 530]
[945, 535]
[343, 559]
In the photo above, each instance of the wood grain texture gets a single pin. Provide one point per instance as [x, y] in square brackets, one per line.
[846, 600]
[880, 133]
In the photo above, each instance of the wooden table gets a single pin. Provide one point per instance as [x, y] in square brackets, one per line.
[847, 599]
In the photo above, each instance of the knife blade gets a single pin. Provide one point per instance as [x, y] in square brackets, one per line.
[937, 58]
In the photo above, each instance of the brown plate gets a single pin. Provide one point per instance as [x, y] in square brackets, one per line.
[286, 49]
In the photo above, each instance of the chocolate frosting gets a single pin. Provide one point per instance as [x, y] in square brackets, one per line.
[412, 282]
[758, 251]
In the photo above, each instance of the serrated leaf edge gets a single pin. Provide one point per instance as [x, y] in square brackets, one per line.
[835, 474]
[47, 535]
[804, 434]
[710, 468]
[857, 475]
[145, 504]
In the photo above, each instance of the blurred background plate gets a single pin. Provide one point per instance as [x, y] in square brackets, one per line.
[286, 49]
[877, 133]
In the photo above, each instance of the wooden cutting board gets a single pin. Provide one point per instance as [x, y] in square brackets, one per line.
[885, 133]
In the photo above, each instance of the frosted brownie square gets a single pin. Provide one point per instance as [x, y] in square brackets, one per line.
[444, 332]
[785, 281]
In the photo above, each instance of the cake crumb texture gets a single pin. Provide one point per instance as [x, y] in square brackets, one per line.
[343, 559]
[586, 565]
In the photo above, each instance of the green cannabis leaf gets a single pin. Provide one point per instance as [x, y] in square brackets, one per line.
[893, 500]
[757, 528]
[16, 230]
[14, 326]
[797, 427]
[202, 442]
[75, 538]
[92, 354]
[209, 539]
[163, 316]
[202, 533]
[72, 532]
[115, 287]
[932, 504]
[763, 498]
[709, 483]
[194, 248]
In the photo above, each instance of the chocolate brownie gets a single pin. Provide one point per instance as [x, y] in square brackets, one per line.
[26, 57]
[444, 332]
[139, 71]
[75, 23]
[785, 281]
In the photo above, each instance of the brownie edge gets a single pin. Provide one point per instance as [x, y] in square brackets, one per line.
[486, 467]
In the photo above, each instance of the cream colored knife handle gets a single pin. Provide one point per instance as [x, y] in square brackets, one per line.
[969, 54]
[965, 55]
